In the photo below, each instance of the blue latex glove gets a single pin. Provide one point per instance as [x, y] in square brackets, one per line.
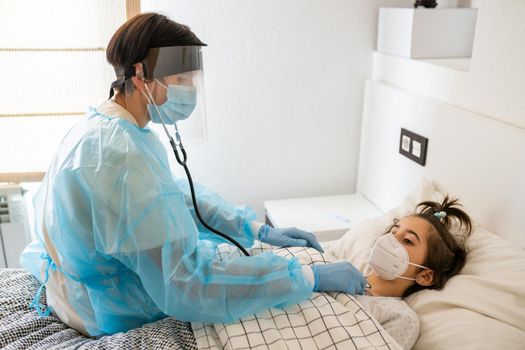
[288, 237]
[338, 277]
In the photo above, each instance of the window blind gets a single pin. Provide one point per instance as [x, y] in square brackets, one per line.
[52, 56]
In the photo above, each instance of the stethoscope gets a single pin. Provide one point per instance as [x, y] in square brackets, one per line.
[181, 159]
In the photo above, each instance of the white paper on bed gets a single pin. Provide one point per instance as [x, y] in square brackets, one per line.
[327, 320]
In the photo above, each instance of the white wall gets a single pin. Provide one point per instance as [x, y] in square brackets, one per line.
[478, 159]
[284, 93]
[495, 84]
[474, 120]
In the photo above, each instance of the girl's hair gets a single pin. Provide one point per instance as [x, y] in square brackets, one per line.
[446, 255]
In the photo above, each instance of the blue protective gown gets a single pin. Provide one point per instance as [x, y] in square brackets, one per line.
[129, 247]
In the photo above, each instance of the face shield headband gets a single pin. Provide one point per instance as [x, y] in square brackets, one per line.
[161, 62]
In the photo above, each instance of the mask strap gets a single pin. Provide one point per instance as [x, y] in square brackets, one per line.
[413, 278]
[152, 102]
[164, 86]
[423, 267]
[147, 98]
[177, 135]
[174, 144]
[407, 278]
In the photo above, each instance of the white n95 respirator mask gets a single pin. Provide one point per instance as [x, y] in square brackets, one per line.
[389, 259]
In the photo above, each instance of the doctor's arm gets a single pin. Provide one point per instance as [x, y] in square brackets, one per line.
[196, 287]
[181, 275]
[239, 222]
[148, 227]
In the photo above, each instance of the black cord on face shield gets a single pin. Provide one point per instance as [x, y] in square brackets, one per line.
[182, 161]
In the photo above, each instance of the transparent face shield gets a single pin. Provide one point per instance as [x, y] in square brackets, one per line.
[178, 100]
[174, 91]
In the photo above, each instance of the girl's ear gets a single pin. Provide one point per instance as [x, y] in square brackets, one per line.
[425, 278]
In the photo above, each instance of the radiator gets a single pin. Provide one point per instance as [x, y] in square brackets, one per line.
[14, 225]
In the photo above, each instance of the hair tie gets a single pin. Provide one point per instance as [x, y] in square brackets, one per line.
[440, 214]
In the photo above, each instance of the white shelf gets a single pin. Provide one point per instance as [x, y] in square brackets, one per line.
[426, 33]
[439, 79]
[328, 217]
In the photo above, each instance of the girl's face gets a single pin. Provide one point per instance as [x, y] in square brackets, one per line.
[413, 234]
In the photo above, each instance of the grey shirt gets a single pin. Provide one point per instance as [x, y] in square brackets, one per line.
[396, 317]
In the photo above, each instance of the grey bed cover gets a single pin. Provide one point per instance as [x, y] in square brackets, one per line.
[22, 328]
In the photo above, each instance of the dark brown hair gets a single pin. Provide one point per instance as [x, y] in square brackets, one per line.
[131, 42]
[446, 254]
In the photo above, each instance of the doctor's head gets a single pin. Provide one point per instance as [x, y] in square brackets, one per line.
[150, 53]
[419, 251]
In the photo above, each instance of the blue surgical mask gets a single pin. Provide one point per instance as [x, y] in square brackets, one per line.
[180, 103]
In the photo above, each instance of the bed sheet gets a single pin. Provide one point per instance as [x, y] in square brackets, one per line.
[22, 328]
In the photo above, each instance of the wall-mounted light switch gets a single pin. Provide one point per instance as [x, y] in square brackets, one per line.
[413, 146]
[405, 143]
[416, 148]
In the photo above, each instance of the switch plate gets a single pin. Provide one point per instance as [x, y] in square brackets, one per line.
[413, 146]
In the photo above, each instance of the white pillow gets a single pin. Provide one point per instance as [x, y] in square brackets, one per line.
[481, 308]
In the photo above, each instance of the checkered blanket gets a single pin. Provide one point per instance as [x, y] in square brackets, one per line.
[325, 321]
[22, 328]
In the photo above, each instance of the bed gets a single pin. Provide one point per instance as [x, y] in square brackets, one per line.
[325, 321]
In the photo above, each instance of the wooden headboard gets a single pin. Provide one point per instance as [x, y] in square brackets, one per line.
[477, 158]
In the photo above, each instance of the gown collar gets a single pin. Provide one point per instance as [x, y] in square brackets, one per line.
[113, 109]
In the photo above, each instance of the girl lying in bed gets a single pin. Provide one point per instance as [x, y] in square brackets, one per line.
[417, 252]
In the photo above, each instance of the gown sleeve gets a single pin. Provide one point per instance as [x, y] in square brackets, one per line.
[140, 217]
[219, 214]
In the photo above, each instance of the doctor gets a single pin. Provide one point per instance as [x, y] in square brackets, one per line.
[118, 241]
